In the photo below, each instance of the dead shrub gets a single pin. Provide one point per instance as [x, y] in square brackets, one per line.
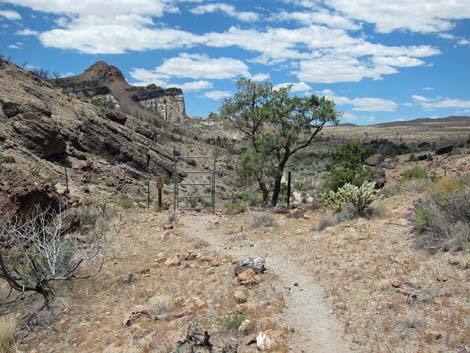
[7, 334]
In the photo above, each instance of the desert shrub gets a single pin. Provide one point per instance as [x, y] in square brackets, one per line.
[35, 253]
[235, 207]
[415, 173]
[125, 201]
[262, 221]
[359, 198]
[347, 166]
[87, 215]
[10, 109]
[41, 73]
[167, 179]
[442, 216]
[6, 159]
[7, 334]
[233, 321]
[325, 223]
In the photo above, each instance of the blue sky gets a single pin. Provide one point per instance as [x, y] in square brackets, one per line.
[379, 61]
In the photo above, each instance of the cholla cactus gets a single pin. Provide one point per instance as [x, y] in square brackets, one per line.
[360, 197]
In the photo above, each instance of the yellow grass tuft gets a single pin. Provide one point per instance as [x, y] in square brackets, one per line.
[7, 334]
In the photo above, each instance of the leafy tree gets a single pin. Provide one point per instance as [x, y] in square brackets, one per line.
[347, 166]
[276, 126]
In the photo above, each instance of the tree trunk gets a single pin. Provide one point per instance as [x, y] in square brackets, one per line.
[277, 189]
[264, 191]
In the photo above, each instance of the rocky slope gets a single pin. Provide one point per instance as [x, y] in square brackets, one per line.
[44, 129]
[105, 80]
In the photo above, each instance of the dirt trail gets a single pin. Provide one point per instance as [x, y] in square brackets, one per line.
[316, 330]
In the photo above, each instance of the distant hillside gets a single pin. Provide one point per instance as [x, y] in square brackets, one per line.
[104, 80]
[450, 120]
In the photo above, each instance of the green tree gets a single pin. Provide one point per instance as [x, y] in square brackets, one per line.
[276, 126]
[347, 166]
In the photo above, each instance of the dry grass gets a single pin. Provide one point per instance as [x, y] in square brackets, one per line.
[390, 296]
[92, 313]
[7, 334]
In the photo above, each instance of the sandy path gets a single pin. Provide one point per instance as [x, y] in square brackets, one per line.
[316, 330]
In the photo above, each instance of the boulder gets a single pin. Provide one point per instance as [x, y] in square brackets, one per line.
[444, 149]
[117, 117]
[254, 263]
[24, 202]
[37, 131]
[144, 132]
[379, 178]
[375, 160]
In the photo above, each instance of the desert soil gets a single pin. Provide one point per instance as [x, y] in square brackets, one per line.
[315, 329]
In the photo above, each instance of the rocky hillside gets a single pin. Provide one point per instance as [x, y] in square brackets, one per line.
[106, 81]
[44, 129]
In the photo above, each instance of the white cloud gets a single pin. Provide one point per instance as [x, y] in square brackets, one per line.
[318, 16]
[27, 32]
[10, 15]
[260, 77]
[296, 87]
[442, 103]
[423, 16]
[200, 66]
[365, 104]
[193, 86]
[217, 95]
[246, 16]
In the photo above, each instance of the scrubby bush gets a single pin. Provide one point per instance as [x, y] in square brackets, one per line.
[347, 166]
[262, 221]
[359, 197]
[235, 207]
[10, 109]
[415, 173]
[444, 215]
[125, 201]
[6, 159]
[37, 252]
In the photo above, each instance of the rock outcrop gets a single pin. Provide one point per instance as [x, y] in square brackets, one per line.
[103, 80]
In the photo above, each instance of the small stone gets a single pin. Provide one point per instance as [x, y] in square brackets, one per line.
[165, 236]
[240, 296]
[250, 339]
[432, 335]
[246, 275]
[127, 278]
[266, 340]
[173, 261]
[168, 226]
[245, 327]
[432, 250]
[441, 278]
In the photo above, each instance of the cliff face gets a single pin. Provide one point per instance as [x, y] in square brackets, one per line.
[102, 79]
[167, 103]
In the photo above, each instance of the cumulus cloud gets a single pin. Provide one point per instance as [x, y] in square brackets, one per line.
[424, 16]
[218, 95]
[27, 32]
[200, 66]
[441, 103]
[10, 15]
[317, 16]
[245, 16]
[194, 85]
[296, 87]
[364, 104]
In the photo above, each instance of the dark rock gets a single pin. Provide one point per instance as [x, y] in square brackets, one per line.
[422, 157]
[375, 160]
[25, 202]
[117, 116]
[183, 174]
[38, 133]
[444, 149]
[379, 178]
[191, 162]
[10, 109]
[144, 132]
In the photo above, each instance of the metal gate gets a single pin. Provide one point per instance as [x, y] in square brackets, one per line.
[179, 181]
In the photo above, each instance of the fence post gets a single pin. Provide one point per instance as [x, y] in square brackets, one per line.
[288, 188]
[148, 195]
[66, 181]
